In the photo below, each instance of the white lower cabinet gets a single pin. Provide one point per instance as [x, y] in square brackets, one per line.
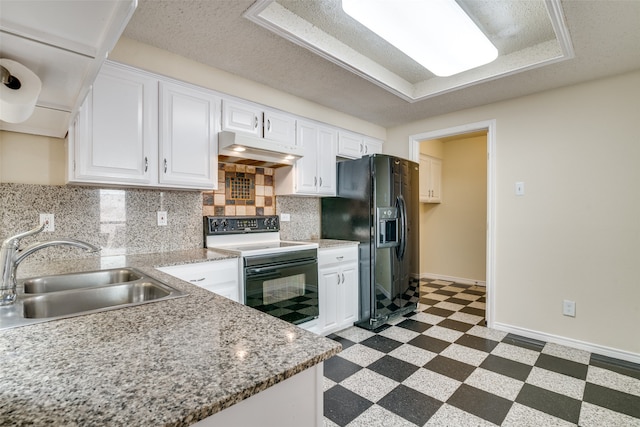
[220, 277]
[338, 288]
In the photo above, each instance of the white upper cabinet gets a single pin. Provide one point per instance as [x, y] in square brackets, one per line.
[353, 146]
[279, 127]
[315, 172]
[430, 179]
[242, 117]
[188, 150]
[64, 43]
[256, 120]
[371, 146]
[128, 132]
[349, 145]
[115, 136]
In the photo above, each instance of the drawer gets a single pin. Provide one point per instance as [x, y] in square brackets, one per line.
[341, 255]
[205, 273]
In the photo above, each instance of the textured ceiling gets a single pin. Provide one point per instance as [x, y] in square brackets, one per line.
[605, 35]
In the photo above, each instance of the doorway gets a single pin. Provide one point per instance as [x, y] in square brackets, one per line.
[470, 134]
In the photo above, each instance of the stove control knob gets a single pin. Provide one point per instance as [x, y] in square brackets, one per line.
[224, 223]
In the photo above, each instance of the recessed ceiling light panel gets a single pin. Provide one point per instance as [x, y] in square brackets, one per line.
[437, 34]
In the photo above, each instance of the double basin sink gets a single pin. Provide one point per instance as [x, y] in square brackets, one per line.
[45, 298]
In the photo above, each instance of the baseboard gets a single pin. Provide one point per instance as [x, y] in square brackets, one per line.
[569, 342]
[462, 280]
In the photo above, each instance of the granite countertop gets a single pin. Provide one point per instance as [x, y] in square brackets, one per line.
[330, 243]
[168, 363]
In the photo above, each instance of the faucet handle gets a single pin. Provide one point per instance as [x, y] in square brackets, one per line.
[14, 240]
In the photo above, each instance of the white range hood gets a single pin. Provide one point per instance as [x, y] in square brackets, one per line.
[246, 149]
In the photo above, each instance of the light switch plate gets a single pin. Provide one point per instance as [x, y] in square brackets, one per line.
[520, 188]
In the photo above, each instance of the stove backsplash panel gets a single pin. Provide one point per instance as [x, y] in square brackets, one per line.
[242, 190]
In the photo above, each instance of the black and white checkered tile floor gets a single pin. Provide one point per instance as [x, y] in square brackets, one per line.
[440, 367]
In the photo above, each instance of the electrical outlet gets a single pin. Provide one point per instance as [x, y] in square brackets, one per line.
[162, 218]
[569, 308]
[47, 219]
[285, 217]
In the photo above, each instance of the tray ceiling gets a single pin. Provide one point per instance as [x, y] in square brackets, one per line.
[605, 36]
[527, 35]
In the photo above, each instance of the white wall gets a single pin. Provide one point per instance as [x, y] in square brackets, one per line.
[576, 232]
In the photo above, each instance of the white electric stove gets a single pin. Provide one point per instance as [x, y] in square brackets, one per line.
[279, 277]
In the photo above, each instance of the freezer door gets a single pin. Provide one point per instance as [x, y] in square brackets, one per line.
[395, 290]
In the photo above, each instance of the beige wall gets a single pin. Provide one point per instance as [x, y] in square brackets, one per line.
[575, 234]
[31, 159]
[453, 233]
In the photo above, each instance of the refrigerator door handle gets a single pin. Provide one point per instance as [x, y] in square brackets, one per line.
[402, 216]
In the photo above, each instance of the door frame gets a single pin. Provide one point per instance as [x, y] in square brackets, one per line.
[490, 127]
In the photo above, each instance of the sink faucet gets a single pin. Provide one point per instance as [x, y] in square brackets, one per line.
[11, 255]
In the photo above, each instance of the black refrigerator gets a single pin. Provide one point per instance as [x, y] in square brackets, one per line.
[377, 205]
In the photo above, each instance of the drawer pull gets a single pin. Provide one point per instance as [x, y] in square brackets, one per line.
[340, 258]
[197, 280]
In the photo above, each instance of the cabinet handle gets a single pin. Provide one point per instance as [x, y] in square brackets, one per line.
[366, 149]
[165, 165]
[315, 181]
[197, 280]
[338, 278]
[320, 181]
[340, 258]
[269, 125]
[342, 277]
[361, 148]
[146, 164]
[255, 122]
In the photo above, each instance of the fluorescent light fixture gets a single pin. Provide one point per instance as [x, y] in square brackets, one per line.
[437, 34]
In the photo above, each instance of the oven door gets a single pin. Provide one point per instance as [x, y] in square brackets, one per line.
[284, 285]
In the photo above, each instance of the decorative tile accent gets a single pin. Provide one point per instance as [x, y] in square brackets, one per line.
[242, 191]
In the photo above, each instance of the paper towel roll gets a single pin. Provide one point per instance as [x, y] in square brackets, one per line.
[17, 105]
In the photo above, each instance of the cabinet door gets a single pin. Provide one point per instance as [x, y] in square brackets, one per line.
[327, 141]
[306, 168]
[328, 299]
[349, 145]
[348, 296]
[242, 117]
[436, 181]
[117, 129]
[188, 137]
[430, 179]
[280, 127]
[425, 172]
[371, 146]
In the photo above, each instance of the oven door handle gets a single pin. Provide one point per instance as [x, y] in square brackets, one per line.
[274, 268]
